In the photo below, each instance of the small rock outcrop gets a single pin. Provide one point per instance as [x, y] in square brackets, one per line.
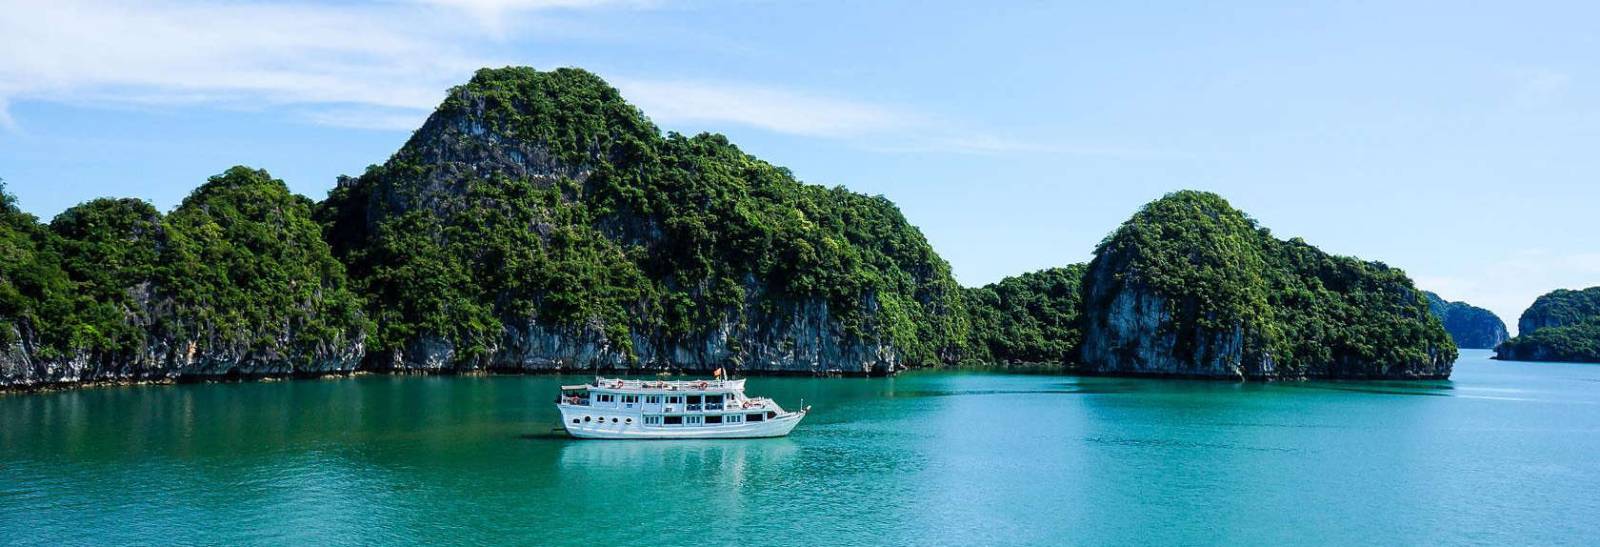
[1470, 326]
[1192, 287]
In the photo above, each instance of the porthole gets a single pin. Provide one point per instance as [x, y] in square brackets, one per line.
[574, 420]
[585, 418]
[613, 420]
[630, 420]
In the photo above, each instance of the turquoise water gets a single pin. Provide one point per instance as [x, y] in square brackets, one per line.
[1503, 453]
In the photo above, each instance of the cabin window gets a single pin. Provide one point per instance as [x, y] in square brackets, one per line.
[752, 417]
[676, 400]
[693, 420]
[672, 420]
[771, 414]
[713, 419]
[652, 420]
[574, 420]
[694, 399]
[652, 399]
[630, 398]
[735, 418]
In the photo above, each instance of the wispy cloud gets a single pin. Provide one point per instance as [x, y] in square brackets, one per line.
[6, 122]
[767, 107]
[385, 65]
[231, 54]
[979, 143]
[377, 119]
[1538, 87]
[874, 126]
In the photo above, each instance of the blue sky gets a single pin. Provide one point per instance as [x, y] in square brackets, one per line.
[1459, 143]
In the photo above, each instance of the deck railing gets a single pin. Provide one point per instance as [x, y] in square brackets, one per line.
[670, 385]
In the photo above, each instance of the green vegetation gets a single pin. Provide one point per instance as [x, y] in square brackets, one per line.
[1577, 342]
[1563, 325]
[35, 295]
[110, 250]
[1295, 310]
[1030, 318]
[577, 213]
[240, 265]
[1343, 317]
[245, 266]
[1560, 307]
[541, 204]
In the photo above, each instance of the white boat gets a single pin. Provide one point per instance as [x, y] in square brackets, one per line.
[611, 408]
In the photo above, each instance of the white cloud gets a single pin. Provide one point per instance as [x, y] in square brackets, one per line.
[385, 65]
[978, 143]
[378, 119]
[6, 122]
[879, 127]
[234, 53]
[1539, 87]
[771, 108]
[497, 16]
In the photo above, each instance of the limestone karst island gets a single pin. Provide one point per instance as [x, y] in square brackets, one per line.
[596, 273]
[539, 222]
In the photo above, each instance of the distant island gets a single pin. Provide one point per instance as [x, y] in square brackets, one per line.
[538, 222]
[1470, 326]
[1563, 325]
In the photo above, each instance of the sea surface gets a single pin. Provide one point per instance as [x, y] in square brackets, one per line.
[1503, 453]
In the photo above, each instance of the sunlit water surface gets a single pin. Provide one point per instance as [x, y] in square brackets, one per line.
[1502, 453]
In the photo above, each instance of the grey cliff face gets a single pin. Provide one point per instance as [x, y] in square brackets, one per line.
[164, 356]
[1136, 334]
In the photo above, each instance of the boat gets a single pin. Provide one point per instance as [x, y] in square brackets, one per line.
[613, 408]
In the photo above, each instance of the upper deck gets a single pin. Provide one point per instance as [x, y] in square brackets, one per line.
[620, 385]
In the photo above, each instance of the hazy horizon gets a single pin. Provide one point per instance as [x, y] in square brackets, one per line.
[1455, 144]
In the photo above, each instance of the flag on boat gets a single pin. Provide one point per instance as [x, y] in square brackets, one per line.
[717, 373]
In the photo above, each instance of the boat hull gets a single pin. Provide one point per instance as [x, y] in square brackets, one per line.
[606, 424]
